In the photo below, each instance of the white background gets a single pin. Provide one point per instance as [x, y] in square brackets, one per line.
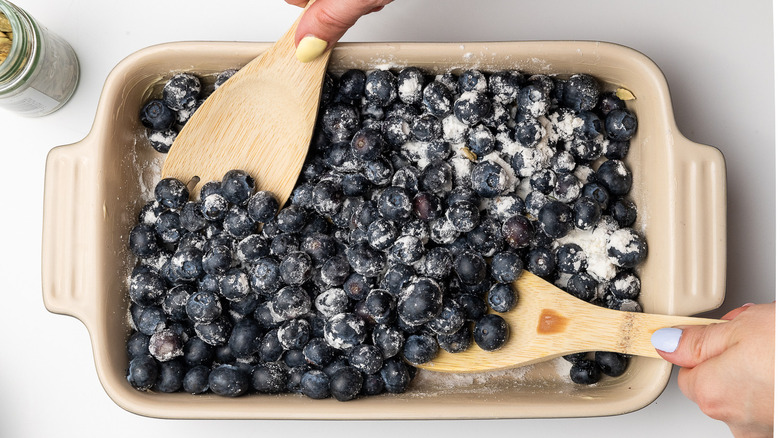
[717, 56]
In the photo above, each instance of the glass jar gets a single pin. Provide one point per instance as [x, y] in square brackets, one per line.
[41, 70]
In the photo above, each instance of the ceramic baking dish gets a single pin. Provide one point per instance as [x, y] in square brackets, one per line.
[94, 189]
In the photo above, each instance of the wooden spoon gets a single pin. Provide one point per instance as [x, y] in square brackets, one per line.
[261, 121]
[548, 322]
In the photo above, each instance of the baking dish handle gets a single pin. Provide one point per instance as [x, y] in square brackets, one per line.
[700, 198]
[70, 228]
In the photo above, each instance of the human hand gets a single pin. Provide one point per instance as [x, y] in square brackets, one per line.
[326, 21]
[728, 368]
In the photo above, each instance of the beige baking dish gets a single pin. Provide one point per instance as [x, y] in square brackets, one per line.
[94, 189]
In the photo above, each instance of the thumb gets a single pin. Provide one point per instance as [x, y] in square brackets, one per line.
[328, 20]
[688, 346]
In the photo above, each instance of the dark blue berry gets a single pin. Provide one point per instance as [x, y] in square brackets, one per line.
[581, 92]
[438, 263]
[381, 234]
[171, 193]
[156, 115]
[217, 260]
[228, 381]
[151, 320]
[147, 288]
[518, 232]
[380, 306]
[294, 334]
[609, 101]
[335, 271]
[625, 286]
[381, 86]
[410, 85]
[170, 376]
[379, 172]
[598, 193]
[623, 211]
[437, 99]
[471, 107]
[350, 86]
[181, 91]
[143, 241]
[138, 345]
[396, 376]
[470, 267]
[610, 363]
[340, 121]
[355, 184]
[533, 101]
[346, 383]
[345, 331]
[420, 302]
[556, 219]
[582, 286]
[366, 358]
[262, 206]
[491, 332]
[626, 248]
[502, 297]
[419, 349]
[570, 258]
[367, 144]
[615, 176]
[620, 125]
[506, 266]
[587, 213]
[237, 186]
[196, 380]
[143, 372]
[449, 320]
[544, 181]
[315, 384]
[585, 372]
[489, 179]
[541, 262]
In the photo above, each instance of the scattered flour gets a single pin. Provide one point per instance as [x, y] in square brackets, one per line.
[594, 244]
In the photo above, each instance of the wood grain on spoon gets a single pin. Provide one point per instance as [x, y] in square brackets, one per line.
[261, 121]
[548, 322]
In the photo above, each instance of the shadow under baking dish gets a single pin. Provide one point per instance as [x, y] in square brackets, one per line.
[94, 189]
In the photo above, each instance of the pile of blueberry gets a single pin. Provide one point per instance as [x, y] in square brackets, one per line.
[422, 198]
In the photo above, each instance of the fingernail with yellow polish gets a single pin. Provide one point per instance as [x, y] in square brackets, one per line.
[310, 48]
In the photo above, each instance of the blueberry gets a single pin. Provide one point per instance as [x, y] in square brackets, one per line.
[463, 216]
[181, 91]
[262, 206]
[556, 219]
[615, 176]
[244, 306]
[367, 144]
[436, 177]
[407, 250]
[365, 260]
[570, 258]
[563, 162]
[616, 150]
[270, 349]
[396, 131]
[346, 383]
[318, 353]
[541, 262]
[575, 357]
[340, 121]
[223, 77]
[420, 301]
[345, 331]
[157, 116]
[620, 125]
[366, 358]
[315, 384]
[624, 286]
[350, 86]
[588, 125]
[609, 101]
[506, 266]
[175, 302]
[437, 99]
[544, 181]
[138, 345]
[438, 263]
[203, 306]
[381, 87]
[587, 213]
[489, 179]
[294, 334]
[215, 332]
[410, 85]
[217, 260]
[396, 376]
[196, 380]
[151, 320]
[471, 107]
[528, 131]
[252, 249]
[504, 85]
[171, 193]
[228, 381]
[419, 349]
[381, 234]
[283, 244]
[624, 212]
[610, 363]
[470, 267]
[533, 101]
[534, 201]
[165, 345]
[518, 232]
[380, 306]
[626, 248]
[335, 271]
[585, 150]
[291, 302]
[379, 172]
[502, 297]
[491, 332]
[481, 140]
[449, 320]
[355, 184]
[389, 339]
[237, 186]
[397, 277]
[264, 276]
[234, 285]
[473, 306]
[582, 286]
[143, 372]
[585, 372]
[147, 288]
[581, 92]
[472, 80]
[598, 193]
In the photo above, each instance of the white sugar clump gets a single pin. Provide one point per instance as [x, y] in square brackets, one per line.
[508, 181]
[461, 167]
[454, 130]
[594, 244]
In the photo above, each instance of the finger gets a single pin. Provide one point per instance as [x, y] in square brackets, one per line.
[328, 20]
[299, 3]
[707, 386]
[694, 344]
[733, 314]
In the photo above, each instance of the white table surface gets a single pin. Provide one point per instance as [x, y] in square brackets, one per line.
[717, 56]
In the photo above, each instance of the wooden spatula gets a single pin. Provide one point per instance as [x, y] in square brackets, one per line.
[261, 121]
[548, 322]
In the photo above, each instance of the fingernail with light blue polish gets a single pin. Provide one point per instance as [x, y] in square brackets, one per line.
[666, 339]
